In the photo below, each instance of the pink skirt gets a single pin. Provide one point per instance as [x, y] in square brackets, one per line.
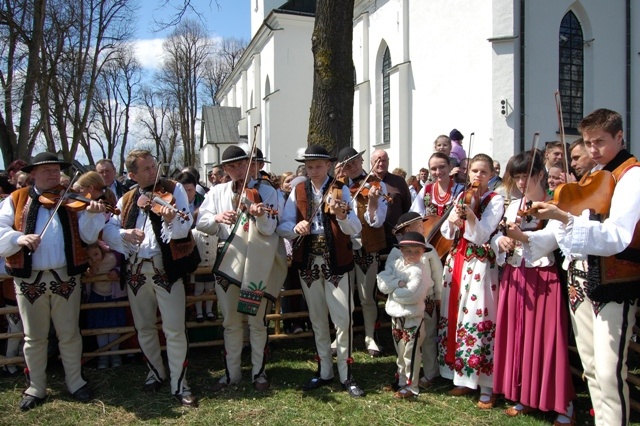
[531, 361]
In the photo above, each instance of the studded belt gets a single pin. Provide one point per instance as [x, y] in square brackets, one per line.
[318, 244]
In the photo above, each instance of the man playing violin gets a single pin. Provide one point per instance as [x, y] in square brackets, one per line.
[161, 252]
[47, 279]
[371, 212]
[318, 218]
[603, 316]
[398, 190]
[238, 214]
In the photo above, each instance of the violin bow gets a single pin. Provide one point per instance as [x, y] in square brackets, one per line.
[561, 124]
[59, 203]
[536, 137]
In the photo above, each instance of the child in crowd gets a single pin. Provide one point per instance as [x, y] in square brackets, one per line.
[407, 282]
[103, 261]
[412, 222]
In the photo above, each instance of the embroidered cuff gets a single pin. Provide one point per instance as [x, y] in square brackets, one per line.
[564, 237]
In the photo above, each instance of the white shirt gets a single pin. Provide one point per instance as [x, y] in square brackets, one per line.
[349, 226]
[537, 241]
[582, 237]
[50, 253]
[483, 228]
[219, 200]
[177, 229]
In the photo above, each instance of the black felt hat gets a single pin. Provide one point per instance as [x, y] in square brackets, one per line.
[315, 152]
[232, 154]
[259, 157]
[405, 220]
[413, 239]
[348, 154]
[45, 158]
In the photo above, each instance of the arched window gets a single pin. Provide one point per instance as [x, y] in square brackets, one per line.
[386, 97]
[571, 71]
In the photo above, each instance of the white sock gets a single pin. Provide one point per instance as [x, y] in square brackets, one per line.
[485, 393]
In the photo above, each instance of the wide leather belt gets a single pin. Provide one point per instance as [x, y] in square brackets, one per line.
[318, 244]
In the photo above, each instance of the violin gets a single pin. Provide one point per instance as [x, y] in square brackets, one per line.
[593, 192]
[159, 198]
[335, 194]
[471, 198]
[72, 201]
[366, 187]
[251, 196]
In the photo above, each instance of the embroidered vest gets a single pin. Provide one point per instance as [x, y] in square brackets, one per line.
[180, 256]
[622, 269]
[373, 239]
[26, 206]
[340, 247]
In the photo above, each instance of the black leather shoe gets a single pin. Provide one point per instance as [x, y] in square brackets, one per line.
[187, 399]
[354, 390]
[29, 402]
[83, 394]
[315, 383]
[152, 385]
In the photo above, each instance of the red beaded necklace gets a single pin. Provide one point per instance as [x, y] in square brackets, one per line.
[436, 193]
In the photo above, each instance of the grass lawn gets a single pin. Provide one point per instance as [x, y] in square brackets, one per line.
[119, 401]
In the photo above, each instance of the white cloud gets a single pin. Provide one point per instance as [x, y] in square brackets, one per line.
[149, 52]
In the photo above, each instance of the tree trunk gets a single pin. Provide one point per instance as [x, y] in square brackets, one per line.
[331, 116]
[31, 79]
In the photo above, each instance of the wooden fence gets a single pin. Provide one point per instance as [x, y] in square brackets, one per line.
[126, 332]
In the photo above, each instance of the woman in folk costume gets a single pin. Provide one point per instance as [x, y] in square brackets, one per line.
[247, 257]
[531, 354]
[435, 197]
[466, 329]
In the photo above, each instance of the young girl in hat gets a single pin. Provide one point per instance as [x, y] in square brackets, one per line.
[406, 281]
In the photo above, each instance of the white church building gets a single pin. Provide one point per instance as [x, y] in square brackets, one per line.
[424, 67]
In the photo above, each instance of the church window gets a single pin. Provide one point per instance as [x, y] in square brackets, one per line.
[571, 71]
[386, 97]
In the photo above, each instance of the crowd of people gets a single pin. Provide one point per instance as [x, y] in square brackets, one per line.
[484, 275]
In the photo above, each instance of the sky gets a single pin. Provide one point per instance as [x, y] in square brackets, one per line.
[222, 18]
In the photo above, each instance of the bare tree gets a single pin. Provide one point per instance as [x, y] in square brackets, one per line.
[21, 35]
[162, 124]
[180, 9]
[84, 36]
[116, 91]
[186, 53]
[220, 65]
[331, 116]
